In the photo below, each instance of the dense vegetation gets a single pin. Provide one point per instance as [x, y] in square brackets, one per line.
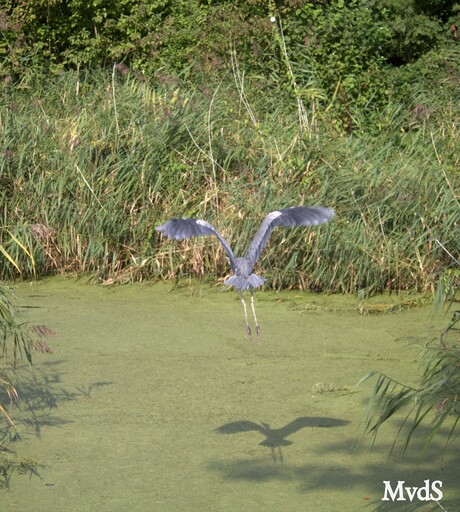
[361, 53]
[213, 110]
[91, 164]
[437, 393]
[116, 115]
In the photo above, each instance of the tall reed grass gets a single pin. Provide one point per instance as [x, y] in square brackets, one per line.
[433, 403]
[91, 162]
[14, 344]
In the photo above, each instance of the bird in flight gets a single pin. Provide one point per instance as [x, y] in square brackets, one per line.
[243, 278]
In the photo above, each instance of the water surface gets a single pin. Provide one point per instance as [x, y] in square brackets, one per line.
[153, 400]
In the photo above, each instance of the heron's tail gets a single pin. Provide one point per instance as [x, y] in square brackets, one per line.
[243, 283]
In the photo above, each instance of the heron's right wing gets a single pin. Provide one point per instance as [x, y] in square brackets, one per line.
[287, 217]
[181, 229]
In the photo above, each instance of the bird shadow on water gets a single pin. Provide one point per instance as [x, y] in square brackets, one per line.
[275, 438]
[341, 467]
[41, 390]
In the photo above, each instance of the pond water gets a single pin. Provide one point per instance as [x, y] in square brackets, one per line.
[154, 400]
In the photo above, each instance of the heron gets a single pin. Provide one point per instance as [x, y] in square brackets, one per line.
[243, 278]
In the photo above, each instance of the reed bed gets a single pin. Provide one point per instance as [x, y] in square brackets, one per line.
[91, 162]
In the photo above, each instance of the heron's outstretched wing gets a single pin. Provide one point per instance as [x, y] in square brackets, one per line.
[287, 217]
[181, 229]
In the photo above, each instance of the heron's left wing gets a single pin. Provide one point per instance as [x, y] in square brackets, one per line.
[287, 217]
[181, 229]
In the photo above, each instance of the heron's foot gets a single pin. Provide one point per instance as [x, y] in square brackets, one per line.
[258, 331]
[248, 330]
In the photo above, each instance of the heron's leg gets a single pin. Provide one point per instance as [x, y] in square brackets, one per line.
[248, 329]
[254, 311]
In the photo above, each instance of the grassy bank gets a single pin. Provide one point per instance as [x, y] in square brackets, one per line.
[92, 162]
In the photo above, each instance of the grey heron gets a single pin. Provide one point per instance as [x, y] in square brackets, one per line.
[243, 278]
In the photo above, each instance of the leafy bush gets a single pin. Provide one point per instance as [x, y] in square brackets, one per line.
[348, 40]
[415, 31]
[147, 35]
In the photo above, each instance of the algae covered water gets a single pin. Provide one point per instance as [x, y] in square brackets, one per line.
[153, 399]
